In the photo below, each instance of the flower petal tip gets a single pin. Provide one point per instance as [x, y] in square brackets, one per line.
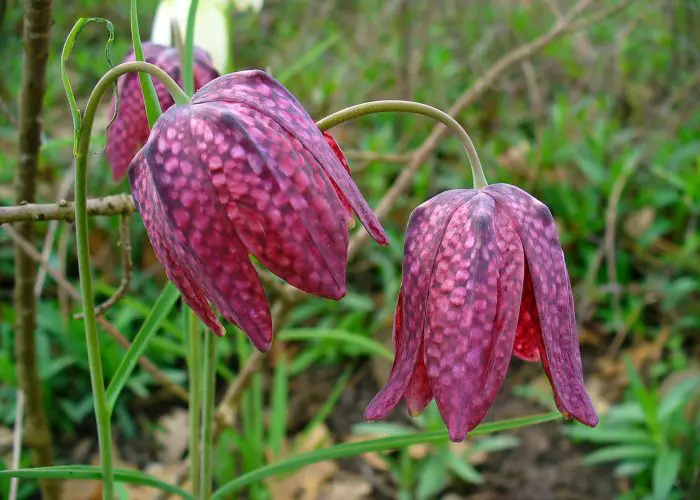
[457, 435]
[263, 346]
[414, 412]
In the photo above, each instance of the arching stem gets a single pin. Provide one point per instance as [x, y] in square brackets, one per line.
[102, 414]
[372, 107]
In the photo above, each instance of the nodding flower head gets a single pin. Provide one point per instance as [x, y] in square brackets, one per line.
[130, 128]
[484, 277]
[243, 169]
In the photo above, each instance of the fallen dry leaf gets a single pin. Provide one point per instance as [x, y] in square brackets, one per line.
[347, 487]
[306, 483]
[639, 222]
[172, 436]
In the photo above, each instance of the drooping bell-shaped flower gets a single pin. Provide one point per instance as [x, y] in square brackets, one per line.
[484, 277]
[243, 169]
[129, 131]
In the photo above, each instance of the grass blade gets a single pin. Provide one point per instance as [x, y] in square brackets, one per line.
[161, 309]
[352, 449]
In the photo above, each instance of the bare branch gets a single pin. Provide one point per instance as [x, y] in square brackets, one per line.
[120, 204]
[404, 180]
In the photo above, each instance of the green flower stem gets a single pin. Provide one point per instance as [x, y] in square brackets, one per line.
[188, 56]
[150, 97]
[194, 362]
[102, 414]
[208, 416]
[372, 107]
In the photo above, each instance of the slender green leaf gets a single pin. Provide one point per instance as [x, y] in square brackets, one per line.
[678, 396]
[493, 444]
[352, 449]
[316, 51]
[92, 472]
[278, 416]
[610, 435]
[65, 54]
[631, 468]
[666, 468]
[462, 468]
[161, 309]
[432, 479]
[369, 345]
[150, 96]
[622, 452]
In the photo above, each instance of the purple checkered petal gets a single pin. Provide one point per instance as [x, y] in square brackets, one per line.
[558, 342]
[258, 90]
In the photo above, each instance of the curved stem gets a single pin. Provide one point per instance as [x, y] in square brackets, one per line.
[102, 414]
[372, 107]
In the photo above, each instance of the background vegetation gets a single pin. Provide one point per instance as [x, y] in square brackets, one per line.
[603, 126]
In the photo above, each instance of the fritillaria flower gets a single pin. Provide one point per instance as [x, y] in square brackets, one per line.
[244, 170]
[484, 277]
[130, 128]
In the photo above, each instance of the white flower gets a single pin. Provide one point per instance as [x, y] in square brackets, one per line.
[210, 25]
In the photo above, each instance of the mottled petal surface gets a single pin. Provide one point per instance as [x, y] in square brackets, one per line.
[168, 249]
[282, 205]
[349, 216]
[258, 90]
[129, 132]
[526, 343]
[559, 348]
[472, 312]
[215, 254]
[424, 234]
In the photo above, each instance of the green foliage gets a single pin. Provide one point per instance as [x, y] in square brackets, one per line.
[653, 438]
[620, 121]
[442, 464]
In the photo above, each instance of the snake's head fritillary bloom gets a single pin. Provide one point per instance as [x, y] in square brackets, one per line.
[243, 169]
[484, 277]
[129, 132]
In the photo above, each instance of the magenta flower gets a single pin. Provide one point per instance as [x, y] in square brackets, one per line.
[484, 277]
[130, 128]
[244, 170]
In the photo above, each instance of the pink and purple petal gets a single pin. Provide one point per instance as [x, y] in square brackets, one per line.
[559, 349]
[424, 233]
[164, 241]
[129, 132]
[201, 229]
[258, 90]
[281, 204]
[349, 215]
[472, 313]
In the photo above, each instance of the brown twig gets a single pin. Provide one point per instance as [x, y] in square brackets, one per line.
[62, 282]
[63, 191]
[37, 27]
[120, 204]
[370, 156]
[610, 253]
[17, 443]
[127, 265]
[403, 181]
